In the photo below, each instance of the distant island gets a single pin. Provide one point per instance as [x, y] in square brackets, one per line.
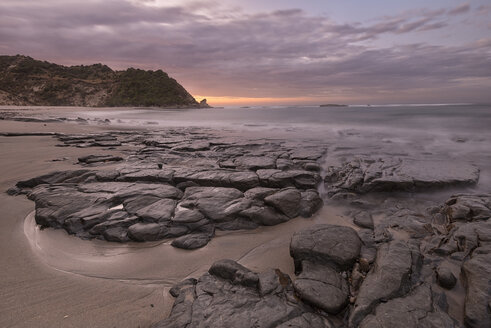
[333, 105]
[26, 81]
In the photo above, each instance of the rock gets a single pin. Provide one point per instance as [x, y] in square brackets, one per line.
[182, 311]
[192, 146]
[310, 203]
[412, 311]
[147, 175]
[259, 193]
[291, 178]
[269, 282]
[287, 201]
[56, 178]
[364, 175]
[389, 278]
[308, 153]
[123, 223]
[467, 208]
[117, 234]
[237, 224]
[445, 276]
[254, 163]
[204, 104]
[142, 199]
[151, 209]
[477, 277]
[307, 320]
[217, 204]
[229, 297]
[192, 241]
[185, 215]
[154, 231]
[234, 272]
[322, 287]
[91, 159]
[326, 244]
[312, 167]
[264, 215]
[364, 220]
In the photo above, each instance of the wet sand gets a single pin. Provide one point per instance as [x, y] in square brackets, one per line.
[52, 279]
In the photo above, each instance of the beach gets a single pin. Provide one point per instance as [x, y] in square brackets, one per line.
[53, 279]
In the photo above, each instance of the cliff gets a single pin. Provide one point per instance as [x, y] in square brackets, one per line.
[26, 81]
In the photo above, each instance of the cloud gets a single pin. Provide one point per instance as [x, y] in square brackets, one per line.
[217, 51]
[461, 9]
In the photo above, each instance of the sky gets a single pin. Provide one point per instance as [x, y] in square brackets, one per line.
[275, 52]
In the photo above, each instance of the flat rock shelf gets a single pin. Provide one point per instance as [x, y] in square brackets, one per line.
[397, 262]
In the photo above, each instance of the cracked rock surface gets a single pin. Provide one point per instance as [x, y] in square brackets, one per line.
[179, 185]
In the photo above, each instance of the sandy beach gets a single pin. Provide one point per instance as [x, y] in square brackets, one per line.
[53, 279]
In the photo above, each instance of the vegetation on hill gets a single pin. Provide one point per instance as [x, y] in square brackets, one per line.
[26, 81]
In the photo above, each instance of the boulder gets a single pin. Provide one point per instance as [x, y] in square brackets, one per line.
[363, 220]
[322, 287]
[192, 241]
[412, 311]
[389, 278]
[310, 203]
[264, 215]
[337, 246]
[287, 201]
[477, 277]
[229, 296]
[445, 276]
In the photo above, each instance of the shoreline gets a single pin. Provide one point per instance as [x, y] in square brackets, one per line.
[45, 275]
[56, 279]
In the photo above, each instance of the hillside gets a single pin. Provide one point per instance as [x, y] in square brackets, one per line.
[26, 81]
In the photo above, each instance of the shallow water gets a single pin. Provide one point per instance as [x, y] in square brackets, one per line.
[160, 264]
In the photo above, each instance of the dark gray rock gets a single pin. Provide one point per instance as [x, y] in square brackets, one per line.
[91, 159]
[229, 297]
[117, 234]
[235, 273]
[388, 174]
[287, 201]
[445, 276]
[259, 193]
[146, 175]
[255, 162]
[217, 204]
[192, 241]
[477, 277]
[307, 320]
[326, 244]
[389, 278]
[364, 220]
[150, 208]
[291, 178]
[154, 231]
[412, 311]
[322, 287]
[264, 215]
[467, 208]
[310, 203]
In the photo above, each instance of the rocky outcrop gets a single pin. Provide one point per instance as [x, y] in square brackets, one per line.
[412, 311]
[176, 189]
[388, 279]
[332, 245]
[230, 295]
[366, 174]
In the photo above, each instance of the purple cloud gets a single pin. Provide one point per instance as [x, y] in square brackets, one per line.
[461, 9]
[218, 52]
